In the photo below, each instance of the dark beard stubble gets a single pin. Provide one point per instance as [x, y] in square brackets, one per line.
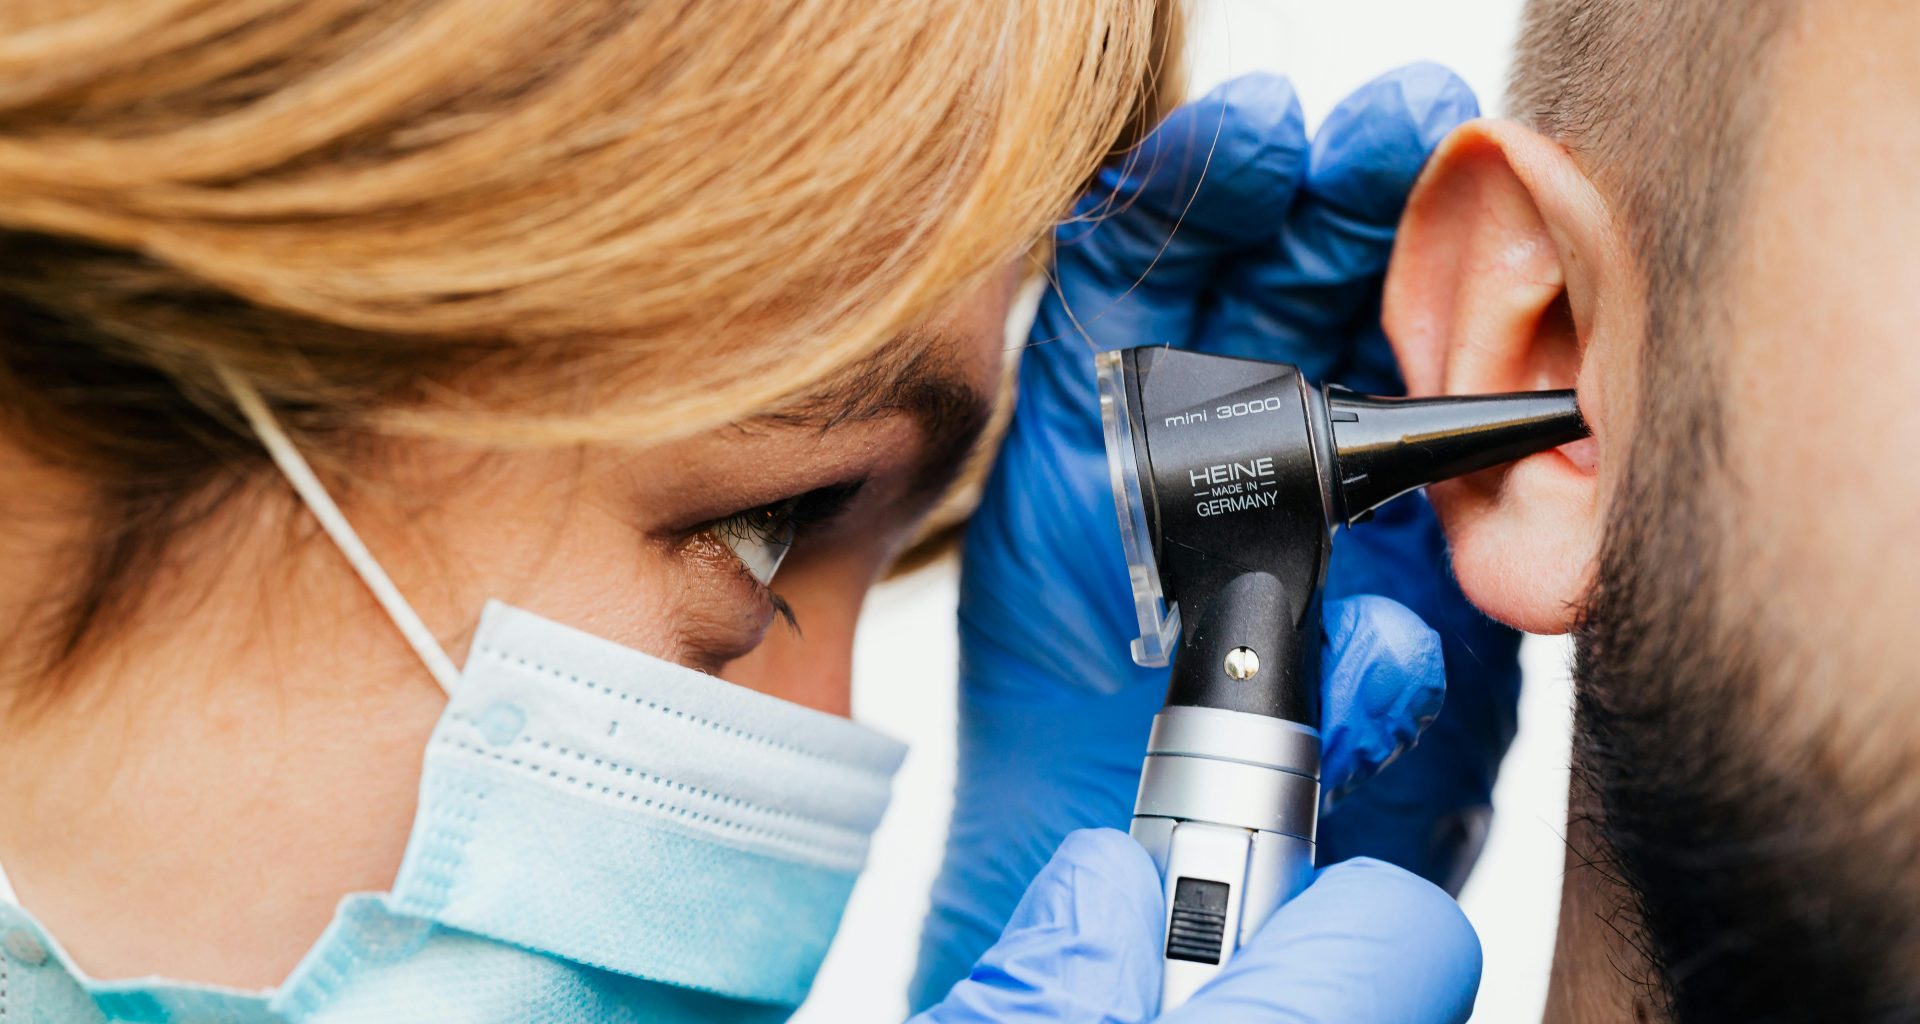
[1748, 881]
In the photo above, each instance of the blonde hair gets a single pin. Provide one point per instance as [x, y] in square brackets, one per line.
[470, 217]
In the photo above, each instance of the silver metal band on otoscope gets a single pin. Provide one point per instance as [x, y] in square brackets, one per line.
[1227, 809]
[1232, 768]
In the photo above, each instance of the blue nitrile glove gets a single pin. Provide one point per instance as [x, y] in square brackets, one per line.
[1279, 252]
[1366, 943]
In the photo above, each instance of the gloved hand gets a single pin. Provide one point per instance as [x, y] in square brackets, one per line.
[1366, 943]
[1229, 233]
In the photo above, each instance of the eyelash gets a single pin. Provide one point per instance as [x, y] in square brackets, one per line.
[792, 517]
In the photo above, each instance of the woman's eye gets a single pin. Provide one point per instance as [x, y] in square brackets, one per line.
[761, 537]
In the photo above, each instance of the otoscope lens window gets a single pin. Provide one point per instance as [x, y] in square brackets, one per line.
[1159, 623]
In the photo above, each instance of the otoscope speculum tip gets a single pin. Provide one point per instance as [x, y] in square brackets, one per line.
[1385, 447]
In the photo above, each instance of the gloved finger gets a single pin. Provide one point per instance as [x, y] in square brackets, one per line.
[1383, 680]
[1033, 769]
[1430, 811]
[1366, 943]
[1137, 262]
[1084, 943]
[1303, 294]
[1132, 265]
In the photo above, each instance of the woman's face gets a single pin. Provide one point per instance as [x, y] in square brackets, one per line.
[667, 549]
[258, 659]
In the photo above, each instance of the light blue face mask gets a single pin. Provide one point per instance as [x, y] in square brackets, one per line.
[601, 836]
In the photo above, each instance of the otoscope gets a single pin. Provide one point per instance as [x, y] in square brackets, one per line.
[1230, 476]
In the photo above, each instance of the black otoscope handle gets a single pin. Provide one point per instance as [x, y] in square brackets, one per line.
[1253, 648]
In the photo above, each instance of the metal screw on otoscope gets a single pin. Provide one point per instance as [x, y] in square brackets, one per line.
[1251, 469]
[1242, 663]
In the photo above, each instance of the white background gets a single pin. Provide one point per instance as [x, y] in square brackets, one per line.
[906, 655]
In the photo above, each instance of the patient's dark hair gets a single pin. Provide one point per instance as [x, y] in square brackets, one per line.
[1659, 100]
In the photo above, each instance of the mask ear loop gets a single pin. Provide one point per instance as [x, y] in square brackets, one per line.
[320, 503]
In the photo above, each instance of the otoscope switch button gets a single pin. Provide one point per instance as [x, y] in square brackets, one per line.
[1242, 663]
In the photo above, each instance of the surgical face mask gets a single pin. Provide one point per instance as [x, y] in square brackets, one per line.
[601, 835]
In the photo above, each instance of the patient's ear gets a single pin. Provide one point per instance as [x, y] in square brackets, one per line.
[1509, 275]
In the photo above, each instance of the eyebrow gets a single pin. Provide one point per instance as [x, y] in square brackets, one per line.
[949, 411]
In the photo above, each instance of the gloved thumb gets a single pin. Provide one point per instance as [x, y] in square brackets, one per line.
[1083, 945]
[1366, 943]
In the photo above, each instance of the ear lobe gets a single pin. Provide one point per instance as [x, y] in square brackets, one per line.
[1499, 282]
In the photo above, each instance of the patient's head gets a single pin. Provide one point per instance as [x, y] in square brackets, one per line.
[1704, 218]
